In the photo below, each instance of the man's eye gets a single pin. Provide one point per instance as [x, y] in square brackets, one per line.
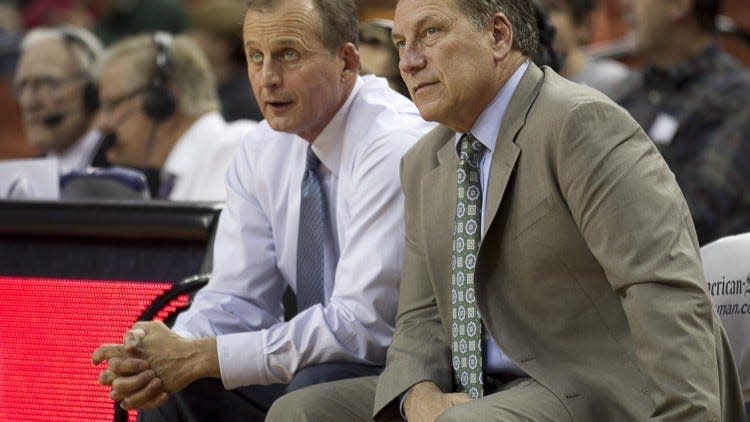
[399, 44]
[290, 54]
[256, 57]
[430, 31]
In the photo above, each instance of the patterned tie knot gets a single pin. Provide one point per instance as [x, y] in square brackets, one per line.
[313, 162]
[471, 150]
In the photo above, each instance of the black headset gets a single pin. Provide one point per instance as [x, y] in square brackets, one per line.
[91, 89]
[159, 103]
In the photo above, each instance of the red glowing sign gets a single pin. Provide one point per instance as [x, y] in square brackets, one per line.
[48, 330]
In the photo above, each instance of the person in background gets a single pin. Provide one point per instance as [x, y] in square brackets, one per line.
[12, 141]
[551, 272]
[55, 86]
[573, 21]
[160, 113]
[690, 97]
[314, 205]
[126, 18]
[378, 55]
[81, 13]
[216, 26]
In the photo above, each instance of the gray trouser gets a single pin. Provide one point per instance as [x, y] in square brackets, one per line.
[353, 400]
[208, 400]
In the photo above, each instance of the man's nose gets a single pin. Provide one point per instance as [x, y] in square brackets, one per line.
[411, 58]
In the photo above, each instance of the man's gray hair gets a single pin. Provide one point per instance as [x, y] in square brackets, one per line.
[520, 13]
[83, 45]
[339, 22]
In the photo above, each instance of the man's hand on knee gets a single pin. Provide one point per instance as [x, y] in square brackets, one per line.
[426, 402]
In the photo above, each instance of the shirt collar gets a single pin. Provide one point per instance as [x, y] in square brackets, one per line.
[487, 126]
[699, 64]
[327, 146]
[78, 156]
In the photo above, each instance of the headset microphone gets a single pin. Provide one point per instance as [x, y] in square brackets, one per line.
[53, 119]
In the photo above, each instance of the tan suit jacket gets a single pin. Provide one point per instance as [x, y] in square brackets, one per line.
[588, 277]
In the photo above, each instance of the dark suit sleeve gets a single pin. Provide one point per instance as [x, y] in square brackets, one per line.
[634, 219]
[419, 350]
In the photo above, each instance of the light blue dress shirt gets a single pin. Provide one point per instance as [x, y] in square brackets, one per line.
[485, 129]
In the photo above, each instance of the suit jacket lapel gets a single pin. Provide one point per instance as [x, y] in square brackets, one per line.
[506, 151]
[439, 193]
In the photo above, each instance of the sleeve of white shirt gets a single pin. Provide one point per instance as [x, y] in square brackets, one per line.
[357, 323]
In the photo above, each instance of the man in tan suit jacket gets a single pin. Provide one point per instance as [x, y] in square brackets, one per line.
[588, 277]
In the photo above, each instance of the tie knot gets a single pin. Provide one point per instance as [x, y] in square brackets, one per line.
[313, 162]
[471, 149]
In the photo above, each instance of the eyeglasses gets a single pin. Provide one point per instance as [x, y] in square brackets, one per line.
[110, 105]
[45, 84]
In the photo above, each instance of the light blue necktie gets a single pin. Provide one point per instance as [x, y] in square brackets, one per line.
[311, 239]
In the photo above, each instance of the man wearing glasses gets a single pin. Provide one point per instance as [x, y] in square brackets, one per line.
[159, 108]
[54, 86]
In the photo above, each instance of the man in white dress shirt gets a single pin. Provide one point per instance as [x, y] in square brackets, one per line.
[161, 109]
[55, 88]
[303, 65]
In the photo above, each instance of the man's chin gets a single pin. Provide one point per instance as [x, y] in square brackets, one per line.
[43, 144]
[280, 124]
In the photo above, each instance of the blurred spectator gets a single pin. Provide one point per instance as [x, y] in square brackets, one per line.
[159, 105]
[55, 88]
[122, 18]
[378, 55]
[692, 99]
[216, 26]
[12, 142]
[10, 28]
[83, 13]
[574, 22]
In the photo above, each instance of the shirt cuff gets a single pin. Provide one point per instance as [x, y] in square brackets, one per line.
[401, 404]
[241, 359]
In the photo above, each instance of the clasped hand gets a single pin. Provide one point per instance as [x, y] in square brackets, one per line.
[145, 368]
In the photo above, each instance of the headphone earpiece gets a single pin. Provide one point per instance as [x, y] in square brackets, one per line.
[90, 91]
[91, 97]
[159, 103]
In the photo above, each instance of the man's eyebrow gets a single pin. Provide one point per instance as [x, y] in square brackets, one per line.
[284, 42]
[419, 24]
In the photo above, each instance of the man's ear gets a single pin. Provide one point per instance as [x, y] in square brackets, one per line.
[350, 59]
[502, 36]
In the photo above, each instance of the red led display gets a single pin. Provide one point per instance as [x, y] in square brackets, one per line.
[48, 330]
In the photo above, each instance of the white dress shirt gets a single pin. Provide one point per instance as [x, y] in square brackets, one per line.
[78, 156]
[200, 158]
[256, 244]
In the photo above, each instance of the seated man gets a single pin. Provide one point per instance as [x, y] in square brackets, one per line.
[551, 271]
[160, 112]
[691, 98]
[313, 204]
[56, 91]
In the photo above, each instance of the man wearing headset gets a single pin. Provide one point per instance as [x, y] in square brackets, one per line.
[160, 110]
[54, 86]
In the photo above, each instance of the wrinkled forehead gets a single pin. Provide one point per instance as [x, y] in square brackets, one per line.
[50, 57]
[413, 14]
[291, 18]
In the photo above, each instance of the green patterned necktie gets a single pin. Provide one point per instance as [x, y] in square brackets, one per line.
[466, 329]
